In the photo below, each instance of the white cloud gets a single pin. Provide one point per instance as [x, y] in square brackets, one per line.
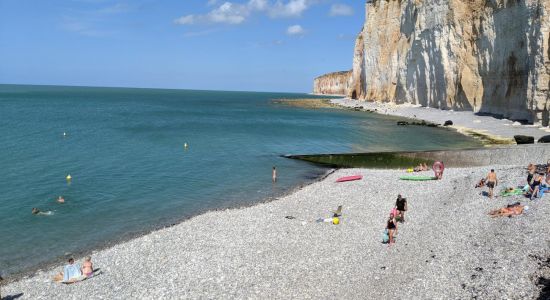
[229, 13]
[295, 30]
[294, 8]
[185, 20]
[341, 10]
[237, 13]
[212, 2]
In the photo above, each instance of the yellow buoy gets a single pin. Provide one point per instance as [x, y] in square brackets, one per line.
[69, 177]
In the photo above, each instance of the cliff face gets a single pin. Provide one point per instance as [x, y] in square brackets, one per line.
[489, 56]
[336, 83]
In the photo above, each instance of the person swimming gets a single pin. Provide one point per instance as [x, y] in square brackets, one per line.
[60, 199]
[36, 211]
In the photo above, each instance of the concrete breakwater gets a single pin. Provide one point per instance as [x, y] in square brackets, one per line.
[510, 155]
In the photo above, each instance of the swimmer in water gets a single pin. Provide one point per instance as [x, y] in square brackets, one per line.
[36, 211]
[60, 199]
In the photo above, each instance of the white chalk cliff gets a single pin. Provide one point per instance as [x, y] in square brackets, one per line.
[336, 83]
[488, 56]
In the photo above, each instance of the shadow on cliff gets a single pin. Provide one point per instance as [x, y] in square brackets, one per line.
[425, 72]
[505, 63]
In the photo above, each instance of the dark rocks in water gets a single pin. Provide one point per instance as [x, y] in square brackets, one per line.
[524, 139]
[421, 123]
[544, 139]
[448, 123]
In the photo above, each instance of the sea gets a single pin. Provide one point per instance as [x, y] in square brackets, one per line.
[124, 149]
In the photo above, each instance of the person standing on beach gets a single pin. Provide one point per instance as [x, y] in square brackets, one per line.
[274, 174]
[391, 227]
[401, 205]
[491, 182]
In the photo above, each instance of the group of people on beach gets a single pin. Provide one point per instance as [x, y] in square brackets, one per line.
[397, 214]
[538, 181]
[74, 272]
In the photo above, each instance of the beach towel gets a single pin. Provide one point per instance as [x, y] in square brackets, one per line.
[96, 272]
[515, 192]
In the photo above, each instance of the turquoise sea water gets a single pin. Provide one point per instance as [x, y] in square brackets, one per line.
[131, 173]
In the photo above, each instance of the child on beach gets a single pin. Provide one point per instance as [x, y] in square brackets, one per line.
[391, 226]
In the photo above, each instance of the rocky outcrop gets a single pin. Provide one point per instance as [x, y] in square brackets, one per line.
[336, 83]
[488, 56]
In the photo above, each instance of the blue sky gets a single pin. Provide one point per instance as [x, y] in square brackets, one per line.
[252, 45]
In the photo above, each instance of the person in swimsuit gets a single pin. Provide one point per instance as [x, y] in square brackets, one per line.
[391, 227]
[535, 186]
[60, 200]
[87, 267]
[274, 174]
[509, 211]
[531, 174]
[491, 182]
[401, 206]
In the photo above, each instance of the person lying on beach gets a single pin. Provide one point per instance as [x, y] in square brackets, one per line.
[70, 272]
[481, 183]
[401, 206]
[492, 181]
[391, 226]
[87, 267]
[509, 211]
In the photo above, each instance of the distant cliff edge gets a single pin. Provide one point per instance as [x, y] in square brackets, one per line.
[336, 83]
[487, 56]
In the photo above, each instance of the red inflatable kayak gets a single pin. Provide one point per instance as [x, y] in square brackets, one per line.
[350, 178]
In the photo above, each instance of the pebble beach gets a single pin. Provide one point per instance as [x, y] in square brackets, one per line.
[449, 248]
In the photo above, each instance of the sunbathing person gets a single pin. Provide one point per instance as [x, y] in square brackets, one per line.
[87, 267]
[509, 211]
[481, 183]
[70, 272]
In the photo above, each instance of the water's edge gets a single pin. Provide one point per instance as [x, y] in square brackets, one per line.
[59, 261]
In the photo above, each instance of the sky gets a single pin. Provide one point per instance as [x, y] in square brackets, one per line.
[243, 45]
